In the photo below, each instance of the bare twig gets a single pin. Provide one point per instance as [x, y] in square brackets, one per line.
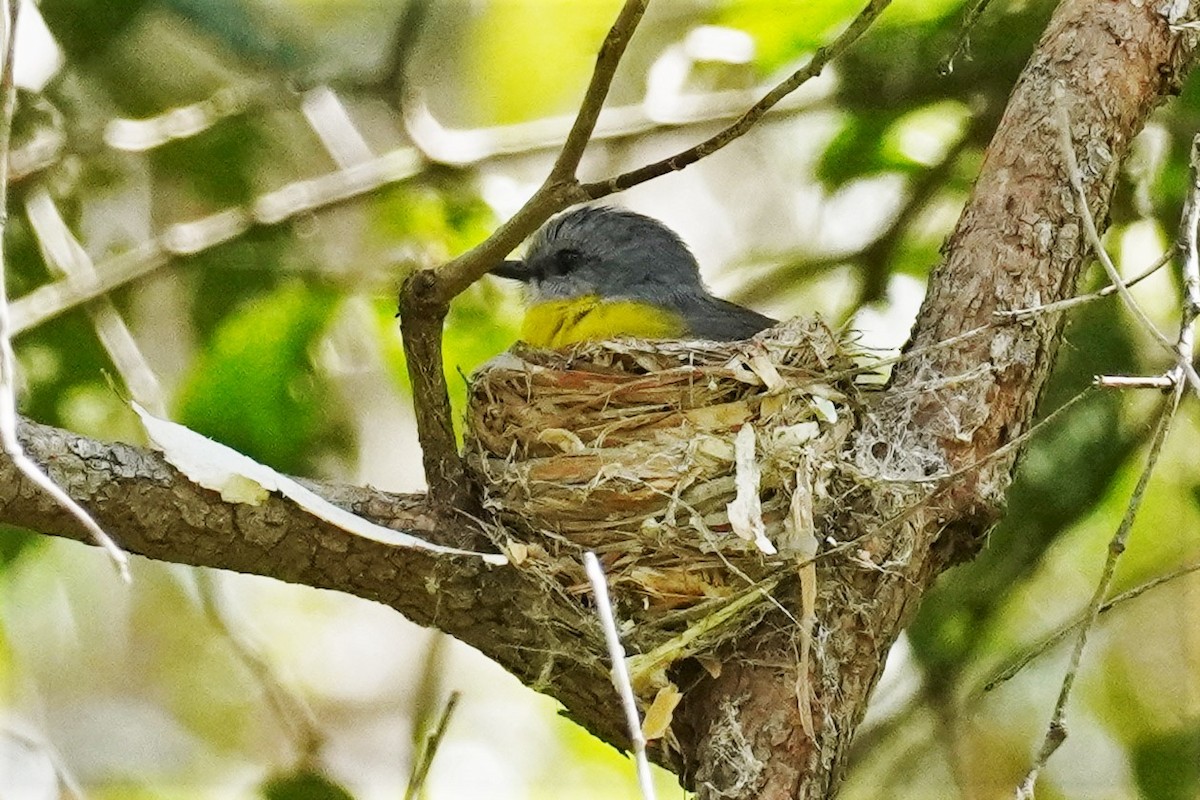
[607, 60]
[871, 739]
[425, 760]
[620, 671]
[1135, 382]
[1186, 370]
[426, 698]
[183, 122]
[8, 362]
[690, 156]
[560, 188]
[66, 257]
[1185, 345]
[1082, 299]
[1056, 732]
[1180, 377]
[962, 42]
[1045, 645]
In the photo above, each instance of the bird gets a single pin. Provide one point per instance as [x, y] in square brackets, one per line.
[598, 272]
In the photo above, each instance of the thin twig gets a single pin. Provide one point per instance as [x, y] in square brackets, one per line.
[425, 760]
[64, 256]
[1185, 345]
[1056, 732]
[1093, 235]
[1081, 299]
[1159, 382]
[607, 61]
[426, 698]
[620, 672]
[1045, 645]
[858, 26]
[964, 35]
[8, 361]
[561, 188]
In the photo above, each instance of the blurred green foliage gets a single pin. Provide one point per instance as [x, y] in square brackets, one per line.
[1167, 766]
[255, 389]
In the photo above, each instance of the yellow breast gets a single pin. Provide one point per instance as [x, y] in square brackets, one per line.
[558, 323]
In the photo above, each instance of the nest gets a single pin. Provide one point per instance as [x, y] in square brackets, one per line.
[693, 469]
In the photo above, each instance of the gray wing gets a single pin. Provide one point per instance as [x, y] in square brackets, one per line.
[720, 320]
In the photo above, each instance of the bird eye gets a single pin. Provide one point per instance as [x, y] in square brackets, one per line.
[567, 260]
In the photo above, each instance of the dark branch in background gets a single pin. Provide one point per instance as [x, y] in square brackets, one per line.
[394, 81]
[875, 259]
[963, 42]
[878, 258]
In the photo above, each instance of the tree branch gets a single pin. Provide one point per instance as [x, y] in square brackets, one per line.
[1019, 242]
[154, 511]
[747, 121]
[607, 61]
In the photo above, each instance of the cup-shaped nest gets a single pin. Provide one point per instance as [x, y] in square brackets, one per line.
[689, 467]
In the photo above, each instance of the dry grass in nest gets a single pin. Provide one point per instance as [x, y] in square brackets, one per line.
[630, 448]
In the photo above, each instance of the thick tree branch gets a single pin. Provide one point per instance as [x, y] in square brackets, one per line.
[154, 511]
[1018, 244]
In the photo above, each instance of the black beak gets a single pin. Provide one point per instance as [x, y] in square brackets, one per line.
[514, 270]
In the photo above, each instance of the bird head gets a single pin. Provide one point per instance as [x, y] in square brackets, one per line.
[607, 252]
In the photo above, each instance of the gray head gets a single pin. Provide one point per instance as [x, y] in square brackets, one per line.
[607, 252]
